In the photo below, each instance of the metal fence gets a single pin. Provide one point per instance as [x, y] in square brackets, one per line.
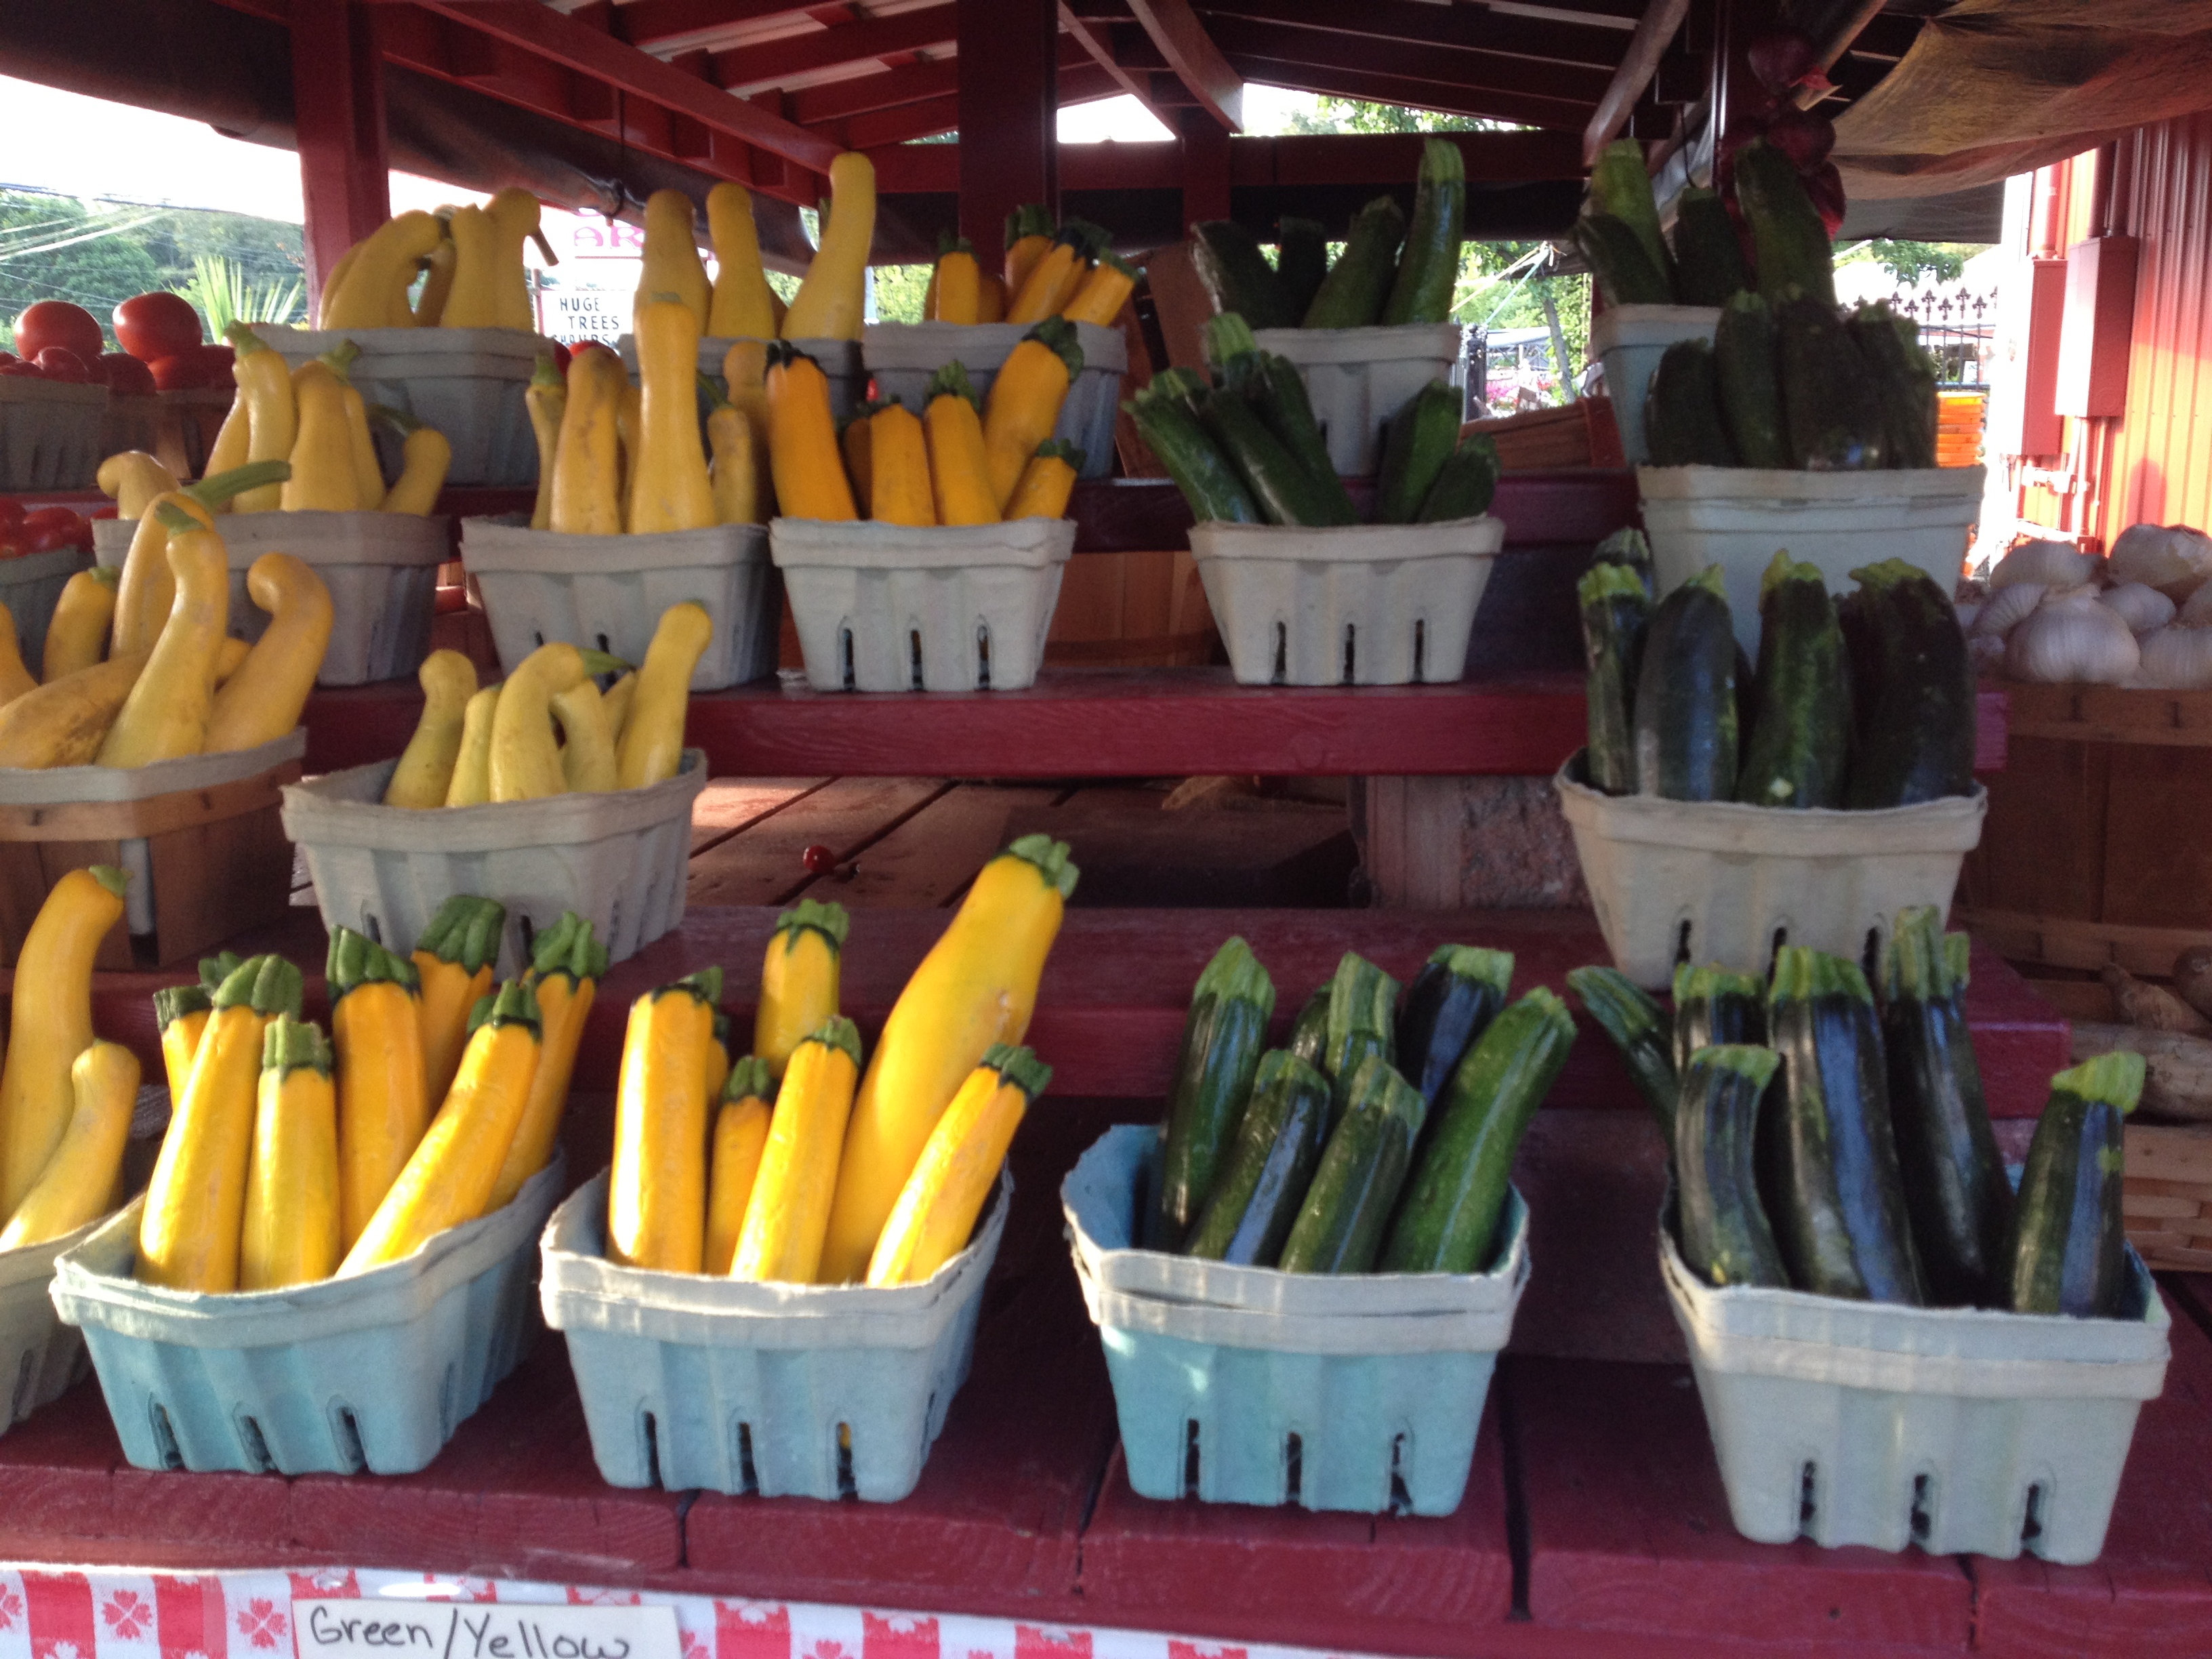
[1957, 330]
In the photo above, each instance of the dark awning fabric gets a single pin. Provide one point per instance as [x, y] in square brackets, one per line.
[1993, 88]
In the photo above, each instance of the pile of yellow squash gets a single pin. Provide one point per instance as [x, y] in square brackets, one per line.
[291, 1157]
[1068, 273]
[473, 257]
[796, 1164]
[547, 729]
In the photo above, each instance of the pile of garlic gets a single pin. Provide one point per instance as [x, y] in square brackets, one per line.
[2141, 617]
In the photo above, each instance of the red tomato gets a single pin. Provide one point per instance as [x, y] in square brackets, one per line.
[561, 355]
[60, 364]
[59, 322]
[178, 372]
[125, 374]
[8, 357]
[50, 527]
[11, 518]
[154, 326]
[18, 367]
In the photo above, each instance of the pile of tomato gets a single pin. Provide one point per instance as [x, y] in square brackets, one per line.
[164, 346]
[41, 530]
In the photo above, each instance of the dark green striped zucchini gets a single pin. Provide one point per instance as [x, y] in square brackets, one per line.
[1353, 294]
[1418, 441]
[1713, 1006]
[1906, 380]
[1236, 274]
[1745, 362]
[1801, 740]
[2071, 1254]
[1709, 267]
[1457, 993]
[1913, 689]
[1686, 694]
[1789, 244]
[1277, 393]
[1363, 1002]
[1287, 492]
[1624, 270]
[1722, 1225]
[1828, 1153]
[1216, 494]
[1301, 261]
[1616, 615]
[1620, 187]
[1682, 409]
[1223, 1038]
[1428, 269]
[1310, 1030]
[1467, 483]
[1278, 1145]
[1832, 406]
[1639, 1029]
[1448, 1222]
[1955, 1191]
[1628, 547]
[1340, 1223]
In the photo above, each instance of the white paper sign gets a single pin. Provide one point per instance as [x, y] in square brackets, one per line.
[482, 1629]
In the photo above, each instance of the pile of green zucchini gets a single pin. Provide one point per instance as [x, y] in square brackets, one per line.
[1386, 273]
[1244, 448]
[1381, 1140]
[1865, 702]
[1822, 1142]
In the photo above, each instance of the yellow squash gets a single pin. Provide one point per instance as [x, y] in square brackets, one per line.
[1029, 236]
[368, 474]
[858, 453]
[740, 1137]
[188, 1234]
[180, 1015]
[742, 306]
[425, 771]
[669, 488]
[146, 588]
[736, 468]
[79, 1181]
[959, 1165]
[359, 292]
[652, 746]
[744, 377]
[514, 214]
[263, 698]
[232, 440]
[134, 480]
[832, 299]
[1103, 292]
[83, 618]
[424, 458]
[525, 762]
[1052, 282]
[448, 1180]
[587, 467]
[672, 264]
[1047, 482]
[976, 986]
[1025, 399]
[322, 478]
[472, 783]
[717, 1058]
[587, 739]
[384, 1103]
[958, 281]
[272, 420]
[627, 409]
[437, 283]
[959, 463]
[802, 440]
[900, 491]
[657, 1188]
[50, 1021]
[15, 680]
[990, 299]
[781, 1237]
[454, 960]
[331, 278]
[798, 980]
[289, 1232]
[546, 398]
[166, 714]
[229, 658]
[64, 724]
[565, 971]
[618, 698]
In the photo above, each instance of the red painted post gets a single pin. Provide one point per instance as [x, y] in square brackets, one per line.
[337, 98]
[1009, 103]
[1205, 168]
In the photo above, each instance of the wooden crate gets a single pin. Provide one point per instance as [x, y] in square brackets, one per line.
[216, 859]
[1579, 434]
[2168, 1196]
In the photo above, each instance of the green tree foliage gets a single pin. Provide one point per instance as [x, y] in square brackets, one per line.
[1913, 264]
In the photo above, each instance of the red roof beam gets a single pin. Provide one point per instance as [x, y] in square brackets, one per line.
[657, 25]
[1197, 61]
[1424, 61]
[773, 63]
[1654, 34]
[1445, 97]
[1472, 27]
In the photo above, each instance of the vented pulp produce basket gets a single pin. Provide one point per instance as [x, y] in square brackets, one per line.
[373, 1372]
[1958, 1429]
[1248, 1385]
[50, 433]
[887, 607]
[901, 356]
[1358, 378]
[617, 859]
[40, 1356]
[1740, 517]
[467, 382]
[1630, 340]
[200, 838]
[839, 362]
[381, 569]
[810, 1390]
[1716, 881]
[609, 590]
[30, 587]
[1355, 605]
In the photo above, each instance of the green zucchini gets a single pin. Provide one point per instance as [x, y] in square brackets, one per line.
[1288, 493]
[1625, 273]
[1685, 689]
[1428, 269]
[1955, 1191]
[1744, 362]
[1626, 546]
[1639, 1028]
[1457, 993]
[1223, 1038]
[1225, 338]
[1790, 243]
[1829, 1156]
[1448, 1222]
[1915, 689]
[1301, 261]
[1620, 187]
[1905, 376]
[1308, 1038]
[1419, 439]
[1352, 294]
[1363, 1002]
[1277, 392]
[1355, 1187]
[1709, 267]
[1616, 615]
[1801, 741]
[1279, 1142]
[1209, 484]
[1682, 409]
[1236, 274]
[1467, 483]
[1720, 1224]
[1716, 1007]
[2070, 1254]
[1831, 406]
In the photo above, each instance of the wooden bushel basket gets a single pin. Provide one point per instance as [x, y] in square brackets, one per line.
[202, 839]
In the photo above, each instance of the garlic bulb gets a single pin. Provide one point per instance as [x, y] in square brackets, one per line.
[2173, 558]
[2144, 608]
[2071, 636]
[2197, 608]
[2054, 564]
[1987, 652]
[2177, 659]
[1968, 611]
[2006, 607]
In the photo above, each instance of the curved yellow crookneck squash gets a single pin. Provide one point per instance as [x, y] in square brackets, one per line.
[651, 750]
[672, 264]
[16, 680]
[588, 464]
[425, 771]
[83, 618]
[322, 478]
[832, 299]
[272, 418]
[743, 305]
[166, 714]
[50, 1022]
[359, 292]
[471, 780]
[525, 762]
[134, 480]
[79, 1181]
[547, 399]
[669, 486]
[265, 694]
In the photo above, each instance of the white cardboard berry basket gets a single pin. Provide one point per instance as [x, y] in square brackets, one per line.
[1630, 340]
[50, 433]
[901, 356]
[1358, 378]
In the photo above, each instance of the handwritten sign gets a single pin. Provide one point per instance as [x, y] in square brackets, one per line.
[482, 1629]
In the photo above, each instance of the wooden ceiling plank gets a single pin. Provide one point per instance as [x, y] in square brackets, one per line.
[1474, 27]
[914, 83]
[772, 62]
[655, 23]
[1654, 33]
[1423, 60]
[1097, 40]
[1198, 63]
[1442, 97]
